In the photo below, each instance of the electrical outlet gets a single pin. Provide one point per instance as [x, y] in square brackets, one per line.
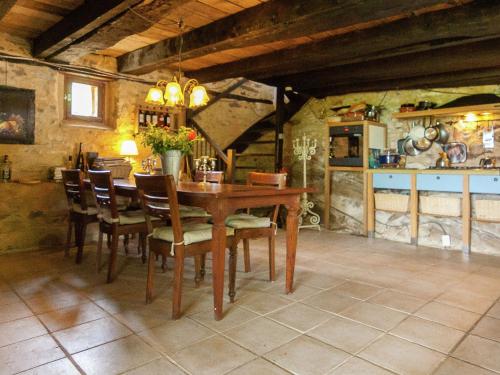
[446, 240]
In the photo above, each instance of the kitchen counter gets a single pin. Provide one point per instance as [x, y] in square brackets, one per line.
[475, 171]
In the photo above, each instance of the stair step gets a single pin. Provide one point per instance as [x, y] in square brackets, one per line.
[254, 154]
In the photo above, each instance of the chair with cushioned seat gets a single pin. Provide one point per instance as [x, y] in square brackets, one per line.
[114, 222]
[179, 240]
[248, 227]
[81, 209]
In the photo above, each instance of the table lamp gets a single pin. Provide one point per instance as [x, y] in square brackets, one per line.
[128, 149]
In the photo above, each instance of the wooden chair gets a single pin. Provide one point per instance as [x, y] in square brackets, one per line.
[248, 227]
[114, 222]
[215, 177]
[158, 197]
[81, 211]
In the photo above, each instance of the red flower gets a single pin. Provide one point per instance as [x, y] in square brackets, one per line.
[192, 135]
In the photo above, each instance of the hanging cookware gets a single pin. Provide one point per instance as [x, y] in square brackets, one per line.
[456, 151]
[431, 133]
[443, 133]
[409, 148]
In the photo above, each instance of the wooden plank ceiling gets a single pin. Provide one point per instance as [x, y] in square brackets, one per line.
[319, 47]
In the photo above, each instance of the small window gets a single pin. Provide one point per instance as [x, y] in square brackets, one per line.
[84, 101]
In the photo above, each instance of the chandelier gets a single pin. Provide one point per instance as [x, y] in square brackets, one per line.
[171, 94]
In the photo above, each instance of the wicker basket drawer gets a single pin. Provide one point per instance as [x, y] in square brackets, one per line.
[439, 205]
[392, 202]
[488, 209]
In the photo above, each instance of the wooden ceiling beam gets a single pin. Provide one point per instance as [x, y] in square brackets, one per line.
[5, 6]
[442, 63]
[79, 22]
[273, 21]
[98, 24]
[477, 21]
[487, 76]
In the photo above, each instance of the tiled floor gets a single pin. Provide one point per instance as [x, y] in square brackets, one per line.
[360, 307]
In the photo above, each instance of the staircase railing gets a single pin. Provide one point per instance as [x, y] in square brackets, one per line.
[208, 147]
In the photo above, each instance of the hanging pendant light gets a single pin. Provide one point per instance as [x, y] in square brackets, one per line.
[174, 94]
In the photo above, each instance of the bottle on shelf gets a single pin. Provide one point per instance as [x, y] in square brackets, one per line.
[6, 170]
[168, 120]
[69, 162]
[154, 118]
[142, 120]
[149, 118]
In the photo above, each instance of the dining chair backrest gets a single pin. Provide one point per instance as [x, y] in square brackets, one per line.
[158, 197]
[215, 177]
[104, 192]
[277, 180]
[75, 188]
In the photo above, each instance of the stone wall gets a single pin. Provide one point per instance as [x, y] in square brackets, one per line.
[345, 210]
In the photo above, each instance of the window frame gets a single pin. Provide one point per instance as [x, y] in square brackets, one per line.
[101, 121]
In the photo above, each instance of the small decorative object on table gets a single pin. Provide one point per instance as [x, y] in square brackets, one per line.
[170, 145]
[205, 164]
[304, 150]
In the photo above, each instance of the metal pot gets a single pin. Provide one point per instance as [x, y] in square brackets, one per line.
[388, 157]
[409, 148]
[443, 133]
[443, 161]
[423, 144]
[425, 104]
[431, 133]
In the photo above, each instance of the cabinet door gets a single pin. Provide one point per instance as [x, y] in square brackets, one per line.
[440, 182]
[484, 184]
[391, 181]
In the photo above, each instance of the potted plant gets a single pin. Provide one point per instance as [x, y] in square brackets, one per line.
[170, 145]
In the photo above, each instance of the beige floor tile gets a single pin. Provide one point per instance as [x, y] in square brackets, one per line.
[300, 317]
[422, 289]
[448, 315]
[16, 310]
[27, 354]
[495, 311]
[7, 297]
[377, 316]
[430, 334]
[144, 318]
[115, 357]
[318, 280]
[43, 303]
[452, 366]
[300, 291]
[88, 335]
[488, 327]
[21, 329]
[466, 301]
[60, 367]
[233, 316]
[258, 366]
[401, 356]
[261, 335]
[175, 335]
[57, 320]
[157, 367]
[330, 301]
[345, 334]
[356, 366]
[398, 301]
[479, 351]
[305, 356]
[357, 290]
[215, 355]
[263, 303]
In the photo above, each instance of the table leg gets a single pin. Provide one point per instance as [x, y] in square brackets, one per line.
[292, 229]
[218, 262]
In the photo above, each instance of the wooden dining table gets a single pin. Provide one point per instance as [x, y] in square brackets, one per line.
[221, 200]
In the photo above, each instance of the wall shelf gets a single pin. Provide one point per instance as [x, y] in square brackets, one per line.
[454, 111]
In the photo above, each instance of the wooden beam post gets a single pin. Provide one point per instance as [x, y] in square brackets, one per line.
[278, 134]
[231, 166]
[5, 7]
[466, 216]
[414, 210]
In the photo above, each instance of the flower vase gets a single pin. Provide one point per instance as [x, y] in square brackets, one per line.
[171, 163]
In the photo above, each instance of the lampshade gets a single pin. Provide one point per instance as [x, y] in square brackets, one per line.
[198, 97]
[129, 148]
[155, 96]
[173, 94]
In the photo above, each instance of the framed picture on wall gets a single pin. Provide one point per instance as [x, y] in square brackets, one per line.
[17, 115]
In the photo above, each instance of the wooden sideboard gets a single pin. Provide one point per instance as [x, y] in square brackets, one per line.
[459, 181]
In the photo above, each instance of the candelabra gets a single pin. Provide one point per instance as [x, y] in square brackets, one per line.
[148, 165]
[304, 149]
[205, 164]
